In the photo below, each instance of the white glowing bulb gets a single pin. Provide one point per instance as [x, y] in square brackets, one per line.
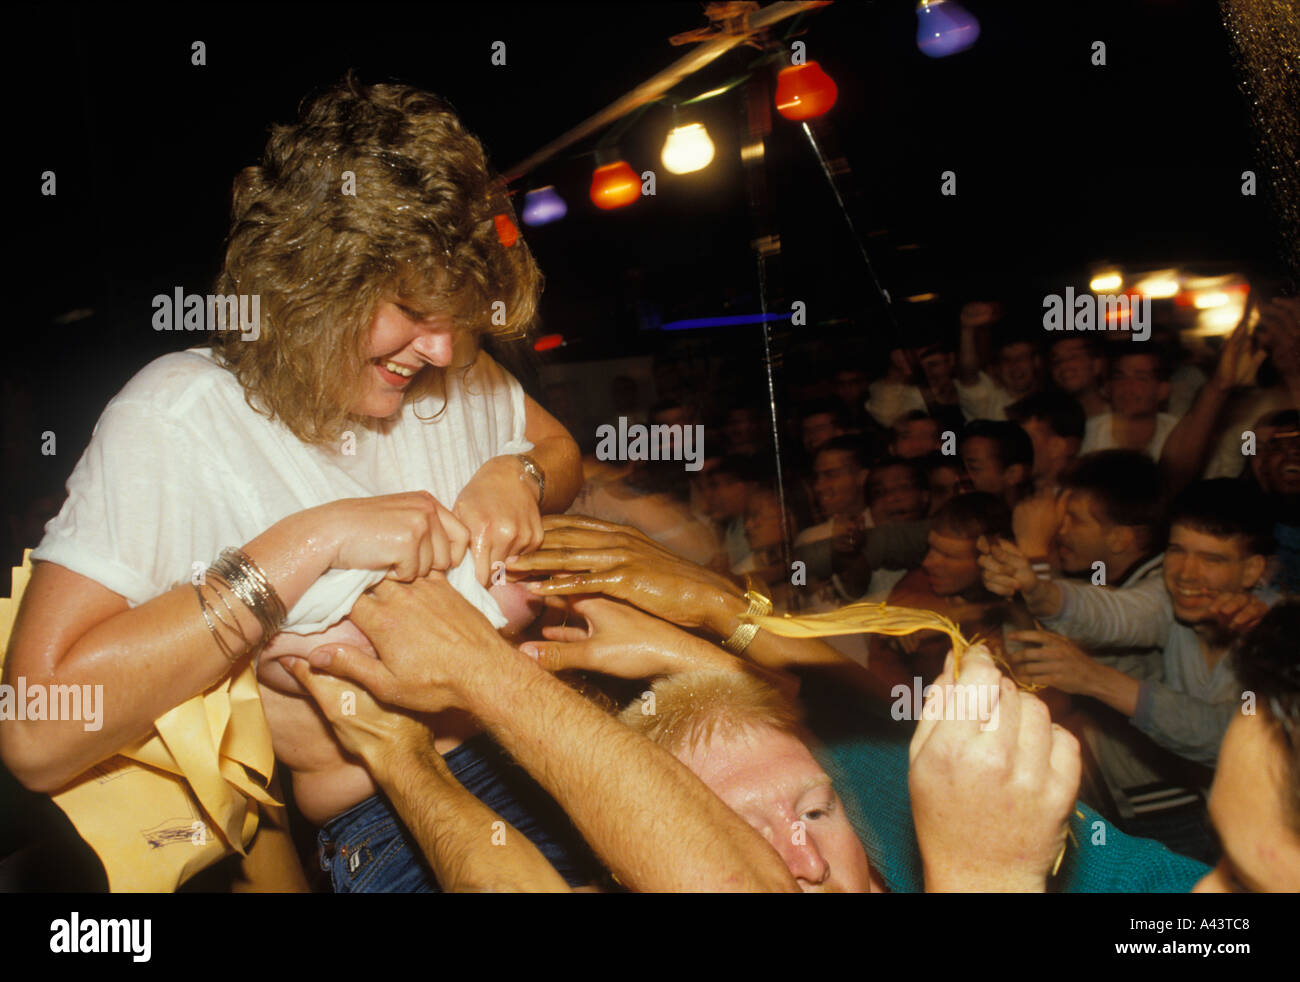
[687, 149]
[1106, 283]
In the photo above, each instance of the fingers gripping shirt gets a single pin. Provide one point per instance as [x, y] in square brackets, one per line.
[180, 467]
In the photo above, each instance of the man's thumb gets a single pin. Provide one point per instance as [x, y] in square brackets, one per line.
[553, 655]
[350, 662]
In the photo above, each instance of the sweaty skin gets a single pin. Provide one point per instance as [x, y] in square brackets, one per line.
[326, 779]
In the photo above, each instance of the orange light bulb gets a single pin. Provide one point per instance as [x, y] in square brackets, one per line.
[614, 185]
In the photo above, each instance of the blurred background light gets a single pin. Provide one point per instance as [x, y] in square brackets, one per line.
[1106, 282]
[1159, 285]
[944, 27]
[548, 341]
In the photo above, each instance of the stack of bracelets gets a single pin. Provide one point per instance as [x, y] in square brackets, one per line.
[245, 579]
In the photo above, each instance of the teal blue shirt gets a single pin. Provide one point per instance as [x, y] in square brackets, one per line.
[866, 758]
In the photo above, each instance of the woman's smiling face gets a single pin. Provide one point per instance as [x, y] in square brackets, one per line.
[402, 341]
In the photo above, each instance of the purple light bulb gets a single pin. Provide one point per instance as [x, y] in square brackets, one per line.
[944, 27]
[543, 205]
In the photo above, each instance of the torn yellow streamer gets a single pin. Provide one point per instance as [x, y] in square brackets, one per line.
[872, 618]
[895, 621]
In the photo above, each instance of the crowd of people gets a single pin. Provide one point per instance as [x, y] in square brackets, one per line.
[1112, 516]
[487, 664]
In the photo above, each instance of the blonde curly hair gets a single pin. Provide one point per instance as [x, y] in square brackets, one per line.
[420, 230]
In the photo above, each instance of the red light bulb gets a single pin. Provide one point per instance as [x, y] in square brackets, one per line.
[804, 91]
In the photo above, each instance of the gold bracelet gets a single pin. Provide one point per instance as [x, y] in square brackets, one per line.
[759, 606]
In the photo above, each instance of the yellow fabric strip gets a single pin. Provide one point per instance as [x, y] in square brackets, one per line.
[180, 799]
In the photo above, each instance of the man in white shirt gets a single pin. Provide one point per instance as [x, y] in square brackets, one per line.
[1139, 384]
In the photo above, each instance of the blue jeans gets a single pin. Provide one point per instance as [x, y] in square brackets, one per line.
[366, 849]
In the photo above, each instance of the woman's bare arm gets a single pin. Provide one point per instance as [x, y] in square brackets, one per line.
[71, 630]
[557, 454]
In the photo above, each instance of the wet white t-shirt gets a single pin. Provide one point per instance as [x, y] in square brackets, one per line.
[180, 467]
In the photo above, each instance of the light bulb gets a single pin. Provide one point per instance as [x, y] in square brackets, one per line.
[542, 205]
[804, 91]
[687, 149]
[944, 27]
[614, 185]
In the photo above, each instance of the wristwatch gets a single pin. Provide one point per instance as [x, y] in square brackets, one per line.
[531, 469]
[759, 606]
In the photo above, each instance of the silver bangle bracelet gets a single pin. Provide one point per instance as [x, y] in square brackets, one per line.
[247, 582]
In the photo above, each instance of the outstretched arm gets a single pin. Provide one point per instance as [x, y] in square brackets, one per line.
[652, 822]
[469, 847]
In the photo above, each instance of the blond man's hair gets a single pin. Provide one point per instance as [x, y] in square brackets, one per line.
[691, 708]
[377, 192]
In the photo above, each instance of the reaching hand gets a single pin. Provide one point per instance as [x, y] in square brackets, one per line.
[409, 534]
[429, 639]
[977, 313]
[1053, 660]
[1005, 568]
[500, 512]
[1238, 362]
[1279, 334]
[1237, 613]
[590, 556]
[362, 726]
[625, 642]
[990, 799]
[1034, 523]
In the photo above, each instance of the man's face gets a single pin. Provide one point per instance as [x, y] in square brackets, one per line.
[771, 780]
[980, 455]
[850, 387]
[1200, 568]
[1074, 370]
[818, 429]
[743, 429]
[402, 338]
[727, 497]
[676, 416]
[945, 482]
[839, 483]
[763, 522]
[1018, 366]
[1051, 452]
[951, 565]
[1277, 462]
[1081, 539]
[1261, 850]
[895, 496]
[938, 368]
[1135, 386]
[702, 482]
[916, 438]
